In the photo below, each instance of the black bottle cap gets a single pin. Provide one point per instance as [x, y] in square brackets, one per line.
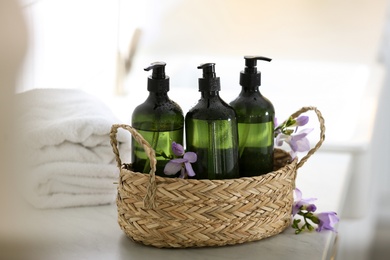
[250, 77]
[158, 81]
[209, 82]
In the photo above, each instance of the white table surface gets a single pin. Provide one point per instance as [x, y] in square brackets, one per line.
[93, 232]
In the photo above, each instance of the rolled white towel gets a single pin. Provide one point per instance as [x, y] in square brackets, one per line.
[53, 116]
[71, 152]
[66, 151]
[70, 184]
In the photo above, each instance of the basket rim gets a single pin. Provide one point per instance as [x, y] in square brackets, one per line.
[161, 179]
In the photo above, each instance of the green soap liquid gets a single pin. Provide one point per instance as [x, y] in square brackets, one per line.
[255, 148]
[214, 142]
[161, 142]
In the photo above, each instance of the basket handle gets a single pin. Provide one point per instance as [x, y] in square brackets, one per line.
[149, 200]
[322, 132]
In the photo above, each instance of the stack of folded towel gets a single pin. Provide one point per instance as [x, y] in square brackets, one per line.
[65, 142]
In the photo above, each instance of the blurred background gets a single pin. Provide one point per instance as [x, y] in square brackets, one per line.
[334, 54]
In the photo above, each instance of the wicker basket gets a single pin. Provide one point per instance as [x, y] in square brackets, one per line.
[178, 213]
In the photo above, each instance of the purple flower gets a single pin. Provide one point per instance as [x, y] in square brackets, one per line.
[305, 204]
[181, 164]
[301, 121]
[326, 220]
[177, 149]
[298, 142]
[310, 207]
[305, 209]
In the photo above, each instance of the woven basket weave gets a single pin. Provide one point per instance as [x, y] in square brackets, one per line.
[178, 213]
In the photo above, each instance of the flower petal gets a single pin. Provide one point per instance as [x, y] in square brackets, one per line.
[300, 145]
[190, 157]
[293, 154]
[327, 220]
[182, 173]
[298, 197]
[172, 168]
[305, 203]
[280, 138]
[302, 120]
[179, 160]
[311, 207]
[303, 133]
[298, 194]
[189, 169]
[177, 149]
[299, 142]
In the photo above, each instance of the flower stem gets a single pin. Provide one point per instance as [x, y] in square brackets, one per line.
[306, 217]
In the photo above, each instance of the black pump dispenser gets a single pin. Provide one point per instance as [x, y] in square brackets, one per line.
[211, 131]
[158, 81]
[250, 77]
[209, 82]
[255, 119]
[159, 120]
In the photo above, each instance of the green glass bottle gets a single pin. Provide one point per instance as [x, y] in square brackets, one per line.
[255, 117]
[211, 131]
[159, 120]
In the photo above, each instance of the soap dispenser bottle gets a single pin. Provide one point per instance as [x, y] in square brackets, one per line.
[159, 120]
[255, 117]
[211, 131]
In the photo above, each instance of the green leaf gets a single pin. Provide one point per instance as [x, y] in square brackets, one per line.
[309, 227]
[315, 220]
[295, 223]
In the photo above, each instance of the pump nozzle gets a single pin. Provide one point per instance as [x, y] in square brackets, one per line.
[158, 81]
[251, 63]
[158, 70]
[250, 77]
[208, 70]
[209, 82]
